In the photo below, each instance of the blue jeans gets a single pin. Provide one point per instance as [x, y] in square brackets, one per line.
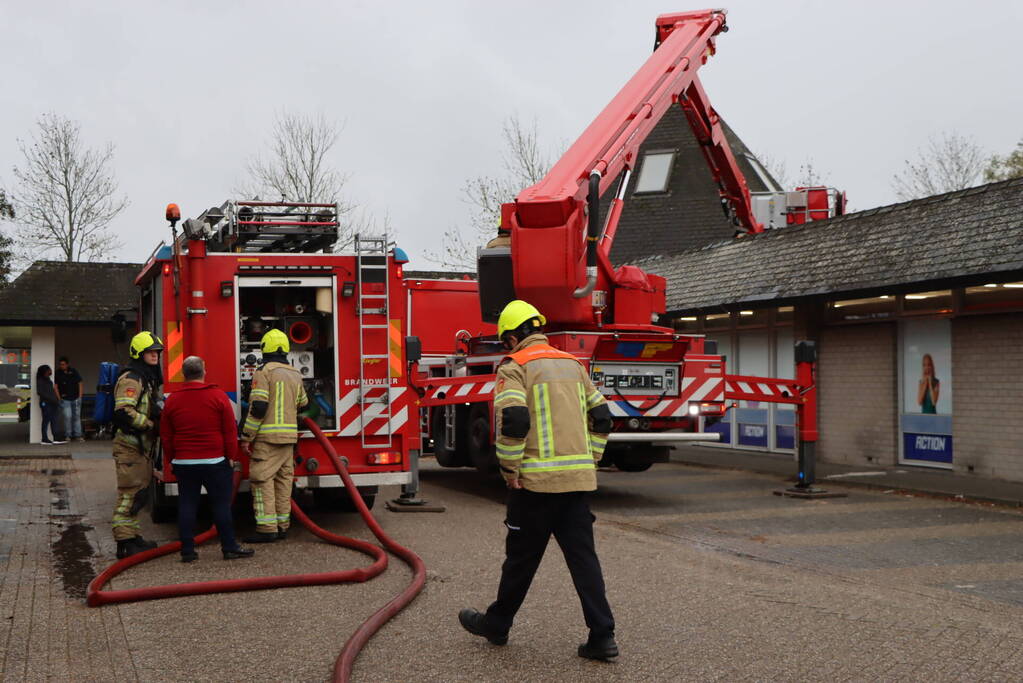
[72, 409]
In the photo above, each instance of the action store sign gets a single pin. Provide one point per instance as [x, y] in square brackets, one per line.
[926, 415]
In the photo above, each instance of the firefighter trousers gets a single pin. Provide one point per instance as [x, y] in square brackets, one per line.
[134, 472]
[532, 518]
[271, 472]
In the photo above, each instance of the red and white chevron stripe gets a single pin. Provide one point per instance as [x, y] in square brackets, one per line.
[453, 391]
[766, 389]
[351, 418]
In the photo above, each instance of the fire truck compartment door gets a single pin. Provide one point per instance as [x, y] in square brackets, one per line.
[284, 280]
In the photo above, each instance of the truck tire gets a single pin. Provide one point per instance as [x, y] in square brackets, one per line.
[162, 508]
[481, 439]
[636, 457]
[446, 455]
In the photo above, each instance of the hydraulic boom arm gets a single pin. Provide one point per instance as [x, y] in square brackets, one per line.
[559, 251]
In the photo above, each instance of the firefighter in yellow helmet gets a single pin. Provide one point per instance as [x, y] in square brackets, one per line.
[138, 399]
[269, 434]
[552, 426]
[503, 238]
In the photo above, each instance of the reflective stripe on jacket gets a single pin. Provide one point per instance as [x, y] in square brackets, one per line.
[559, 453]
[280, 386]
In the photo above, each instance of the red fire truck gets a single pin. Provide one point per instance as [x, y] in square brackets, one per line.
[660, 385]
[248, 266]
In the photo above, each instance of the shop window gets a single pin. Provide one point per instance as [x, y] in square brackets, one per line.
[937, 301]
[718, 321]
[655, 172]
[752, 417]
[870, 308]
[752, 318]
[1008, 295]
[784, 414]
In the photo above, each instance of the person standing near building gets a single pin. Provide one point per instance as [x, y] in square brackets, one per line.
[552, 426]
[269, 434]
[69, 385]
[137, 402]
[49, 401]
[200, 439]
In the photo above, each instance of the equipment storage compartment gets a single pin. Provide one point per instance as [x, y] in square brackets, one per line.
[289, 304]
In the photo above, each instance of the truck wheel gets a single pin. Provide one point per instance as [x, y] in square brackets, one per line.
[630, 458]
[445, 454]
[481, 446]
[162, 508]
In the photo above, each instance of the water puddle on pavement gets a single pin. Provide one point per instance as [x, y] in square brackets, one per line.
[72, 550]
[71, 553]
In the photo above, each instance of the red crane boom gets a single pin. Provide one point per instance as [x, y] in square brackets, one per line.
[559, 251]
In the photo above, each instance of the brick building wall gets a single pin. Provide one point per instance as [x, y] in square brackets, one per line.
[857, 376]
[987, 409]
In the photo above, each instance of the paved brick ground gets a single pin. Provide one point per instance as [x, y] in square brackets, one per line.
[46, 554]
[711, 578]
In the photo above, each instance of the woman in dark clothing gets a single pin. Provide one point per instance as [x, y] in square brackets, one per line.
[49, 403]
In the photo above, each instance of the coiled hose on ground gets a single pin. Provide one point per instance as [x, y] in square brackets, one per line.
[97, 597]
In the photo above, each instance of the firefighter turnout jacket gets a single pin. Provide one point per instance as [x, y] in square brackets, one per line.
[278, 387]
[552, 424]
[134, 406]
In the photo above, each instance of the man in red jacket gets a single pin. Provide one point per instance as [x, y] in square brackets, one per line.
[199, 437]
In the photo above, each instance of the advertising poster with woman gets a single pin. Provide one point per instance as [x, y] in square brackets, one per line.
[927, 391]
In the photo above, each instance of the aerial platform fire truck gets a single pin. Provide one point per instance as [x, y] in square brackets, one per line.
[661, 386]
[248, 266]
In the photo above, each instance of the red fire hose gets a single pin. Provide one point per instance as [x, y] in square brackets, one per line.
[343, 665]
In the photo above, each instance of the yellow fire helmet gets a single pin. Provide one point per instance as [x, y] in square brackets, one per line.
[142, 342]
[275, 341]
[516, 313]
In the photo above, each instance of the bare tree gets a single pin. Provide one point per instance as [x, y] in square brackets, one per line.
[808, 175]
[66, 194]
[947, 163]
[6, 243]
[6, 209]
[1007, 167]
[297, 167]
[524, 163]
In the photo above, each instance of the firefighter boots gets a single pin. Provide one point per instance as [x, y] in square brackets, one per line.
[130, 546]
[262, 537]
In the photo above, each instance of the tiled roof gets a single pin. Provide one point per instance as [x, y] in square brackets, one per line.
[962, 236]
[689, 214]
[69, 292]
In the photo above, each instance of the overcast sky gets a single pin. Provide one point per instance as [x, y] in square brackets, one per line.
[187, 91]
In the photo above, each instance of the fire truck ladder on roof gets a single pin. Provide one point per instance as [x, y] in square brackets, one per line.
[374, 338]
[279, 227]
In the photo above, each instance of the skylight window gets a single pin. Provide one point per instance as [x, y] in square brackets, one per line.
[655, 171]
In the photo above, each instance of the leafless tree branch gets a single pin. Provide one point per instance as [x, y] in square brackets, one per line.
[297, 167]
[947, 163]
[524, 163]
[66, 194]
